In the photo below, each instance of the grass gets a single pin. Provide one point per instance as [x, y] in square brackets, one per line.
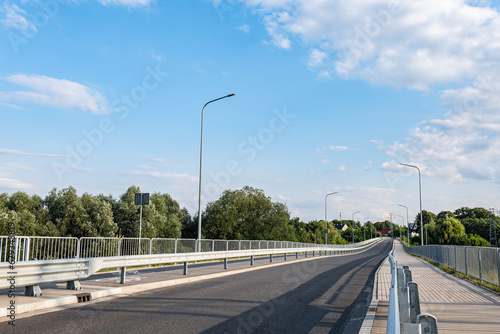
[459, 274]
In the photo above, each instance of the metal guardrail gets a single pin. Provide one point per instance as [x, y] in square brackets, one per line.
[53, 248]
[404, 315]
[31, 274]
[482, 263]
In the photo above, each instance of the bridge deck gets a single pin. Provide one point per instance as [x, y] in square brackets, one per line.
[459, 305]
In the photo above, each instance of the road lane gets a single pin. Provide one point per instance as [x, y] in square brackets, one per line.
[327, 294]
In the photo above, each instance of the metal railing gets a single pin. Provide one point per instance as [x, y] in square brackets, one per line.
[31, 274]
[404, 315]
[482, 263]
[53, 248]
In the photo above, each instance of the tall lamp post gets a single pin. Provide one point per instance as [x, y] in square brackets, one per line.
[420, 192]
[353, 225]
[326, 228]
[201, 166]
[407, 223]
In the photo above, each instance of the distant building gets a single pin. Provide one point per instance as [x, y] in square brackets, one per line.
[384, 232]
[341, 227]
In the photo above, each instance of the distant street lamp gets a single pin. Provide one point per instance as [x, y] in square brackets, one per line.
[353, 224]
[201, 165]
[407, 223]
[403, 224]
[420, 192]
[326, 228]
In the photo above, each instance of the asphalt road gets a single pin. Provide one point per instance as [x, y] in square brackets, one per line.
[325, 295]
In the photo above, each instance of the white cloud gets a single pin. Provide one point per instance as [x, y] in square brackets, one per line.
[245, 28]
[127, 3]
[332, 148]
[273, 24]
[32, 154]
[341, 168]
[412, 43]
[316, 58]
[14, 166]
[325, 161]
[15, 18]
[168, 176]
[417, 45]
[56, 92]
[14, 184]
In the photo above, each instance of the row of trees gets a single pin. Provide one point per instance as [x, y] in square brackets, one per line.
[464, 226]
[64, 213]
[245, 214]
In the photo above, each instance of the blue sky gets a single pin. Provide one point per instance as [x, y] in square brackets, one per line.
[329, 96]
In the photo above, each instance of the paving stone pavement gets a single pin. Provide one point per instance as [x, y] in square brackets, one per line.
[459, 305]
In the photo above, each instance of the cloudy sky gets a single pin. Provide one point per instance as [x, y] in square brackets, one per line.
[329, 97]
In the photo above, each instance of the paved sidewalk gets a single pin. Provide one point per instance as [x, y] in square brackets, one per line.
[459, 305]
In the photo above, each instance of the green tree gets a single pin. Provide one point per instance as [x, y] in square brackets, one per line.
[189, 225]
[100, 216]
[126, 214]
[162, 217]
[449, 232]
[246, 214]
[66, 211]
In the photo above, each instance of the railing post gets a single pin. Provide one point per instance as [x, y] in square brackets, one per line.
[428, 323]
[150, 246]
[455, 248]
[123, 275]
[404, 312]
[175, 246]
[414, 301]
[498, 266]
[26, 252]
[480, 265]
[213, 245]
[78, 248]
[465, 256]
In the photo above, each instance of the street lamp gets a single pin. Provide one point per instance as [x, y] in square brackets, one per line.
[420, 192]
[326, 228]
[201, 165]
[403, 225]
[353, 225]
[407, 223]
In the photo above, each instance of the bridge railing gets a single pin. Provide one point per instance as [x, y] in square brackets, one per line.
[482, 263]
[53, 248]
[32, 273]
[404, 315]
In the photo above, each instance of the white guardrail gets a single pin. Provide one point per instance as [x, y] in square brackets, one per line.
[31, 274]
[53, 248]
[404, 315]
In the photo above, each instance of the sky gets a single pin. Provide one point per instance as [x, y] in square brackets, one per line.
[330, 96]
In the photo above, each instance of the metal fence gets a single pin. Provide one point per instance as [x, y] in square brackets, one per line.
[53, 248]
[482, 263]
